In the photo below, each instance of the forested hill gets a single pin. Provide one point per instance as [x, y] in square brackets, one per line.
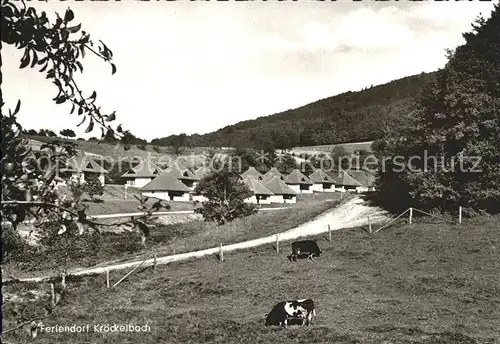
[347, 117]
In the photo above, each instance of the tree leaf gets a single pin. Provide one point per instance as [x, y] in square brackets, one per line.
[93, 95]
[61, 99]
[69, 15]
[25, 59]
[35, 59]
[74, 29]
[111, 117]
[113, 69]
[18, 106]
[90, 126]
[119, 129]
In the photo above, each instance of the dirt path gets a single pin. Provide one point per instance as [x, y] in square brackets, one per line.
[353, 213]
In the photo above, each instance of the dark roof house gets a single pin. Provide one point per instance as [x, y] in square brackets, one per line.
[297, 177]
[278, 187]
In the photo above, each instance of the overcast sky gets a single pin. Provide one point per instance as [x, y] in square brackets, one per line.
[195, 67]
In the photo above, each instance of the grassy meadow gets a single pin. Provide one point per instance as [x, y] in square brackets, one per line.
[424, 283]
[166, 239]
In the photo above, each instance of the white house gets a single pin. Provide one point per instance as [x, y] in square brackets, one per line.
[167, 188]
[322, 181]
[182, 174]
[81, 166]
[142, 174]
[345, 183]
[282, 192]
[299, 182]
[365, 178]
[261, 195]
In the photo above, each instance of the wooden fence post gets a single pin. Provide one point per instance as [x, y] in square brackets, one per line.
[277, 243]
[329, 233]
[369, 225]
[460, 214]
[221, 253]
[411, 216]
[107, 278]
[63, 280]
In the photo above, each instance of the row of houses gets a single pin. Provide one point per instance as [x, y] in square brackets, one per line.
[177, 183]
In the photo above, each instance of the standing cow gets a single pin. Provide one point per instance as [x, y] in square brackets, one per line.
[305, 248]
[286, 312]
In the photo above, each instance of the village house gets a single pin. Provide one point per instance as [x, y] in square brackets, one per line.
[322, 182]
[142, 174]
[261, 195]
[166, 187]
[282, 192]
[344, 182]
[365, 178]
[252, 172]
[299, 182]
[183, 174]
[273, 172]
[81, 166]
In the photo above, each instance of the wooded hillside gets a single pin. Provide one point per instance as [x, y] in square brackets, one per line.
[347, 117]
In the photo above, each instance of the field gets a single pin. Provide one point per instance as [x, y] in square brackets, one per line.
[425, 283]
[117, 151]
[166, 239]
[349, 147]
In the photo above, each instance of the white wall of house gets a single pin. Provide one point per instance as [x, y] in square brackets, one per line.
[290, 199]
[167, 196]
[340, 189]
[102, 179]
[182, 197]
[262, 199]
[276, 199]
[306, 189]
[138, 182]
[318, 187]
[295, 187]
[156, 194]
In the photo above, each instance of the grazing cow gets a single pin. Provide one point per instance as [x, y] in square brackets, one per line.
[305, 248]
[291, 312]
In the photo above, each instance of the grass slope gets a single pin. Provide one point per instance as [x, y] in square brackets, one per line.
[426, 284]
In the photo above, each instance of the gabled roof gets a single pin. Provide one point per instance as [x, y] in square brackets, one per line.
[273, 172]
[365, 178]
[266, 179]
[81, 163]
[319, 176]
[297, 177]
[251, 172]
[180, 172]
[145, 169]
[256, 186]
[343, 178]
[202, 172]
[165, 182]
[278, 187]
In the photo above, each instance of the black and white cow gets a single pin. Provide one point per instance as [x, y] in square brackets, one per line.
[292, 312]
[305, 248]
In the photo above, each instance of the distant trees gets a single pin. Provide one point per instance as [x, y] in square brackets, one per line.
[347, 117]
[449, 147]
[67, 133]
[225, 193]
[91, 186]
